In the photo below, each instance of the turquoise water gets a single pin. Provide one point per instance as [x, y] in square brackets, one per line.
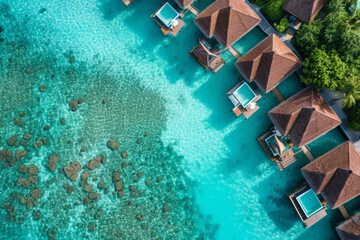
[250, 40]
[216, 181]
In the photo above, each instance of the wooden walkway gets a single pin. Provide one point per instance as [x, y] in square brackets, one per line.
[234, 52]
[278, 94]
[344, 212]
[193, 10]
[308, 153]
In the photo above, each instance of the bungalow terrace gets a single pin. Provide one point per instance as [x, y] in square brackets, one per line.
[268, 63]
[305, 10]
[227, 21]
[304, 117]
[350, 229]
[336, 175]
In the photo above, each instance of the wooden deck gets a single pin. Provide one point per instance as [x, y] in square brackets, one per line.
[234, 52]
[214, 66]
[278, 94]
[307, 221]
[308, 153]
[344, 212]
[247, 113]
[286, 158]
[127, 2]
[193, 10]
[239, 110]
[165, 30]
[175, 30]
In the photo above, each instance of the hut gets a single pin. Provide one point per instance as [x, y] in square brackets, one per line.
[169, 19]
[268, 63]
[227, 21]
[207, 56]
[350, 229]
[304, 117]
[305, 10]
[336, 174]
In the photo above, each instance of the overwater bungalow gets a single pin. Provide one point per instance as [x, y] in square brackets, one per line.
[168, 19]
[227, 21]
[268, 63]
[306, 10]
[279, 148]
[207, 56]
[244, 99]
[304, 117]
[350, 229]
[308, 205]
[336, 175]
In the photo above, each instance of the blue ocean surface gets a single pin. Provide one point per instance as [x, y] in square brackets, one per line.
[182, 166]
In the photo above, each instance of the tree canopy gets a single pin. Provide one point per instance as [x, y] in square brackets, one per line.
[323, 70]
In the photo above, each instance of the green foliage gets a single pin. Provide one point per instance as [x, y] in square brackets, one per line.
[273, 11]
[331, 48]
[307, 38]
[351, 90]
[337, 31]
[323, 70]
[353, 114]
[258, 2]
[283, 25]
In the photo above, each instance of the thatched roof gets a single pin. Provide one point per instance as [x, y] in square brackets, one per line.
[336, 174]
[268, 63]
[304, 117]
[184, 3]
[350, 229]
[306, 10]
[227, 21]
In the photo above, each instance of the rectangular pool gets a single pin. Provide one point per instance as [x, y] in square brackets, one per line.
[270, 141]
[309, 202]
[244, 94]
[167, 14]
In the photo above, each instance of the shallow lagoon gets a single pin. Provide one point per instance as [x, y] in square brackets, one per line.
[215, 176]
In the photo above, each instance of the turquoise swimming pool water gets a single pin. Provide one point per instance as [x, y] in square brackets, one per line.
[167, 14]
[216, 181]
[309, 202]
[244, 94]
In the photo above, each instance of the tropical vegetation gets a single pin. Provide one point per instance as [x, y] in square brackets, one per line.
[330, 46]
[282, 25]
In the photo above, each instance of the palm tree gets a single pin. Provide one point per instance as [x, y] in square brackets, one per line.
[350, 91]
[353, 22]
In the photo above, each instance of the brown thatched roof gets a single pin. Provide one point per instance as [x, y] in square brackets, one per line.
[306, 10]
[268, 63]
[336, 174]
[304, 117]
[227, 21]
[184, 3]
[350, 229]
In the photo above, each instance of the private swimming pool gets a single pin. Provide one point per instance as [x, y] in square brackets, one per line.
[244, 94]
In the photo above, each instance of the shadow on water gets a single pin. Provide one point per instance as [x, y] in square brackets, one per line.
[111, 8]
